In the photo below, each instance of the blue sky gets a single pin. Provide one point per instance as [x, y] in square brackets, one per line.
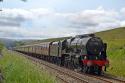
[38, 19]
[65, 5]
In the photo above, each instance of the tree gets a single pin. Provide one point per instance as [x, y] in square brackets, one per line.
[1, 46]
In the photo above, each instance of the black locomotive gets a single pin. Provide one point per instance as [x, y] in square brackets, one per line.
[86, 53]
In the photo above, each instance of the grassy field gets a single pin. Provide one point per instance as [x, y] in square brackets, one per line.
[116, 50]
[18, 69]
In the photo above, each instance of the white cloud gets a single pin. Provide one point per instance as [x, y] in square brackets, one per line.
[49, 23]
[123, 10]
[95, 17]
[14, 17]
[123, 23]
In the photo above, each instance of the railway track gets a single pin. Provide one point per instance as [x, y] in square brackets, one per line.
[70, 76]
[109, 79]
[108, 76]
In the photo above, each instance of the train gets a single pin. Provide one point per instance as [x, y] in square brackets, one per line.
[86, 53]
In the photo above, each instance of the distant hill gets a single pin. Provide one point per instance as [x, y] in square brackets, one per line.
[113, 34]
[8, 42]
[118, 33]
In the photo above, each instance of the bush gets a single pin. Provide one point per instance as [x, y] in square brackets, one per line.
[1, 46]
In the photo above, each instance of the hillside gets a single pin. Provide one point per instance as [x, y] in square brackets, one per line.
[115, 39]
[118, 33]
[8, 42]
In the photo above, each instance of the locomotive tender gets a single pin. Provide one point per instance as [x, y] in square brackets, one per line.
[84, 52]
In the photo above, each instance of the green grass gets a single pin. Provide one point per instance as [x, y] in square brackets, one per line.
[118, 33]
[18, 69]
[117, 62]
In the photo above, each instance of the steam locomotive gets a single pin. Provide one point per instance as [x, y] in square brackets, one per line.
[86, 53]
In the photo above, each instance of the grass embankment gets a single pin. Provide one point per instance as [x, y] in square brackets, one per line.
[116, 50]
[18, 69]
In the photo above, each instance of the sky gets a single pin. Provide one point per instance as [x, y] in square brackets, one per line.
[41, 19]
